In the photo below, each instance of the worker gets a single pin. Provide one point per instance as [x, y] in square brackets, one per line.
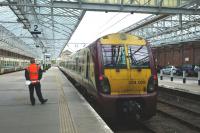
[33, 73]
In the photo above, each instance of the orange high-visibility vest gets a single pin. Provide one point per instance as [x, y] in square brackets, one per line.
[33, 70]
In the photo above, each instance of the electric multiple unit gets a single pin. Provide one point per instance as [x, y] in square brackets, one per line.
[118, 71]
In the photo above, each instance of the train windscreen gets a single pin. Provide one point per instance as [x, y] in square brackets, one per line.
[114, 56]
[138, 56]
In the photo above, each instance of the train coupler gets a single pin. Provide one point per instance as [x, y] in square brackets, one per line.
[131, 108]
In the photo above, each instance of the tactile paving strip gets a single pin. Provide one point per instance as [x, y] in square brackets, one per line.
[66, 121]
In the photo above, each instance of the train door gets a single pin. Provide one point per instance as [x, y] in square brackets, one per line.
[89, 83]
[87, 75]
[1, 64]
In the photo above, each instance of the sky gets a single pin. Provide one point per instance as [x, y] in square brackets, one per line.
[97, 24]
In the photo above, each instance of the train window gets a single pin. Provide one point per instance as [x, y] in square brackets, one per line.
[76, 63]
[114, 56]
[88, 66]
[138, 55]
[79, 65]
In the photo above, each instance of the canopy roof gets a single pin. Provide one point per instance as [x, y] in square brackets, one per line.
[56, 26]
[36, 27]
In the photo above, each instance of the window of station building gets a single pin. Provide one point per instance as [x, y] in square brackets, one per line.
[138, 56]
[114, 56]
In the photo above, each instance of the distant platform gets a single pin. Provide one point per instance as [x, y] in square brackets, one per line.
[191, 85]
[65, 112]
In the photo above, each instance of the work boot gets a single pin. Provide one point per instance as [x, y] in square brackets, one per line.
[32, 102]
[44, 101]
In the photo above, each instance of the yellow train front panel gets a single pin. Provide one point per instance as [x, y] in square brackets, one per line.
[126, 63]
[125, 81]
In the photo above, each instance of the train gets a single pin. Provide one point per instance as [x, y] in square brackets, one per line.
[118, 72]
[11, 64]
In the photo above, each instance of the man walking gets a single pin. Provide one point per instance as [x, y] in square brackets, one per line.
[33, 73]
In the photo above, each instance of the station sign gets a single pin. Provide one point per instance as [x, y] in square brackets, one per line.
[47, 55]
[187, 59]
[35, 29]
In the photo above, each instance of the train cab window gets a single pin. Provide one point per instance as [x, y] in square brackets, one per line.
[114, 56]
[138, 56]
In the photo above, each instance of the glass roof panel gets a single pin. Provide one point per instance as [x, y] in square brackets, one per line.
[55, 24]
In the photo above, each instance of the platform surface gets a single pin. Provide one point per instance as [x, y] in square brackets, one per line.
[65, 112]
[191, 85]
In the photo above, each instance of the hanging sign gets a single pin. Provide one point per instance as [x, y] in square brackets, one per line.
[35, 29]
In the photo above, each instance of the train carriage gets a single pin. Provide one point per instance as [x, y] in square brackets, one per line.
[11, 64]
[118, 71]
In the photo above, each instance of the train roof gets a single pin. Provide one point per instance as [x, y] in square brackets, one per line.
[122, 38]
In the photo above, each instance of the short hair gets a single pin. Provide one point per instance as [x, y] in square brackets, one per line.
[32, 61]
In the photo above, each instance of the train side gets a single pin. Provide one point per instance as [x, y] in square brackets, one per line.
[81, 67]
[8, 64]
[118, 71]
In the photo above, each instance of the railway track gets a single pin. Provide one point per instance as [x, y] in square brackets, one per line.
[182, 115]
[169, 119]
[183, 100]
[128, 126]
[177, 112]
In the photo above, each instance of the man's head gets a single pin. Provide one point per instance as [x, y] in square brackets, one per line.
[32, 61]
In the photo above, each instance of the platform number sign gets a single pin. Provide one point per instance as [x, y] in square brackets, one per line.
[35, 29]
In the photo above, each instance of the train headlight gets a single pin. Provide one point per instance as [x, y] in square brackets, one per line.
[105, 85]
[151, 85]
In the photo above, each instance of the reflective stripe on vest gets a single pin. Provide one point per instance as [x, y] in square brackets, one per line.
[33, 70]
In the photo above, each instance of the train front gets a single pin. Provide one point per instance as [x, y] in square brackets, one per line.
[127, 77]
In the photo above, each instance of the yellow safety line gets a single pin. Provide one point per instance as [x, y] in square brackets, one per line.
[65, 119]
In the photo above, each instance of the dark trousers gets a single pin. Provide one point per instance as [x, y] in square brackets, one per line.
[37, 87]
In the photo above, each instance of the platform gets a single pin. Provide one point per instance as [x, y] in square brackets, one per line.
[65, 112]
[191, 85]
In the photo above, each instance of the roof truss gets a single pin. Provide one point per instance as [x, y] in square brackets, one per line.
[58, 19]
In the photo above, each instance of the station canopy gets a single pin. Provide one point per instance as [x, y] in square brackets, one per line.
[36, 27]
